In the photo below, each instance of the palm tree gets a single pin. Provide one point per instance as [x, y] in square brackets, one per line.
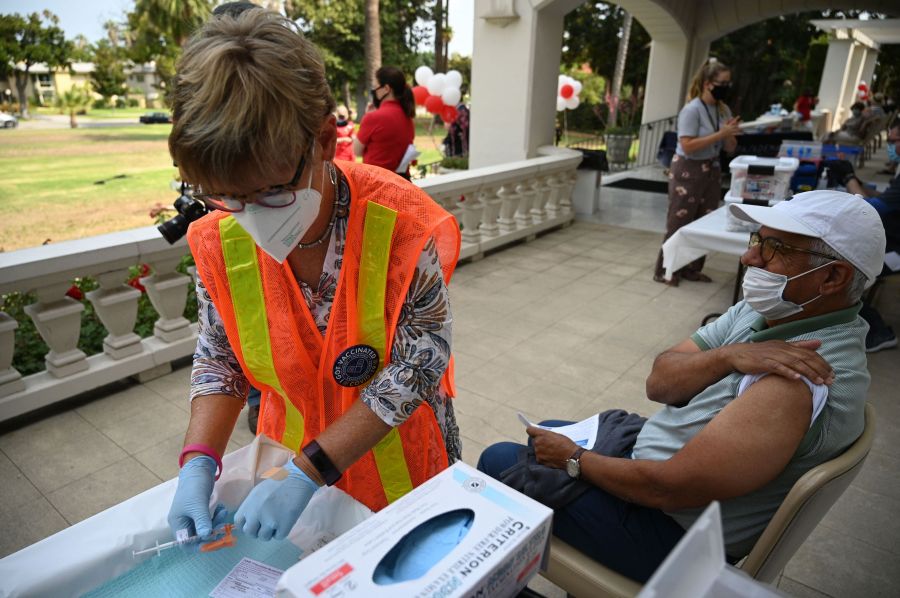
[372, 41]
[74, 100]
[619, 71]
[178, 18]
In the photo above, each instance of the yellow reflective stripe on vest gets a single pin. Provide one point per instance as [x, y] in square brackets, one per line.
[249, 304]
[373, 269]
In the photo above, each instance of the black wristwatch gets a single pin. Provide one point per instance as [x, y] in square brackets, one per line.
[322, 463]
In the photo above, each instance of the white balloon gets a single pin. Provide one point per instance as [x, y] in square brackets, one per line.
[451, 95]
[572, 103]
[454, 79]
[577, 85]
[423, 75]
[560, 104]
[436, 84]
[561, 80]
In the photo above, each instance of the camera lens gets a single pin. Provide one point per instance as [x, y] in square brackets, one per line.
[173, 229]
[188, 209]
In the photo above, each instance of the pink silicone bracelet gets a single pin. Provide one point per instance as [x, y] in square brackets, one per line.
[201, 448]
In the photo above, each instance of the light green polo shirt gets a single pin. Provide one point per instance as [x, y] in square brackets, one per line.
[840, 422]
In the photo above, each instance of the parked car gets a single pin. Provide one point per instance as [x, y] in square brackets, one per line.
[156, 118]
[8, 121]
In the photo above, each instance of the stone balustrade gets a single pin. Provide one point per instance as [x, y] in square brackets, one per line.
[495, 206]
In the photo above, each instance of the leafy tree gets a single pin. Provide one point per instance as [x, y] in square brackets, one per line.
[81, 49]
[35, 38]
[591, 36]
[175, 18]
[109, 74]
[157, 29]
[73, 101]
[338, 30]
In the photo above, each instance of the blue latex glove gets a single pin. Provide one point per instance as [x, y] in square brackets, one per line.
[423, 547]
[273, 506]
[190, 507]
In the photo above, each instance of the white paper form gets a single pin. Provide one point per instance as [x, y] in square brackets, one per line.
[583, 433]
[248, 579]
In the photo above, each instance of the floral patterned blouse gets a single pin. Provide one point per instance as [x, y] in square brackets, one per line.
[419, 355]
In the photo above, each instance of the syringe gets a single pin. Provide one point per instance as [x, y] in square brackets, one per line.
[181, 538]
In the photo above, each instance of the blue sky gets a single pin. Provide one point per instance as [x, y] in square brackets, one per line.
[87, 17]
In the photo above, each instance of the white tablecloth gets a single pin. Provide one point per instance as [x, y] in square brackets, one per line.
[699, 238]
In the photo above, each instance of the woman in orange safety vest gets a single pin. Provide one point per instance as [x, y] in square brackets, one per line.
[322, 283]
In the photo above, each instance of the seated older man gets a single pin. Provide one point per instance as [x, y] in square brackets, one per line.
[772, 388]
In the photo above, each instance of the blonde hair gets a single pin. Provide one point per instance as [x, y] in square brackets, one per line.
[707, 73]
[250, 95]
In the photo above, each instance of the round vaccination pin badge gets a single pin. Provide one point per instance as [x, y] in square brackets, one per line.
[354, 366]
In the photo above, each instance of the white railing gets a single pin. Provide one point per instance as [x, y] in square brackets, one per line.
[495, 206]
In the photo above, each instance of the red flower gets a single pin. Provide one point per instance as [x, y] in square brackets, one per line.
[75, 293]
[135, 281]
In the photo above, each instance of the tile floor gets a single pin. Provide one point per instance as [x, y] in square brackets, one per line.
[564, 326]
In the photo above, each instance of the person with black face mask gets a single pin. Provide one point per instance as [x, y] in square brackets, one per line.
[386, 132]
[705, 128]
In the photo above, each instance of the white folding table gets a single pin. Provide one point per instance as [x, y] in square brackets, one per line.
[698, 238]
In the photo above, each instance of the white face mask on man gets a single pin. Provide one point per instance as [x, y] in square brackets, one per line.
[277, 231]
[763, 291]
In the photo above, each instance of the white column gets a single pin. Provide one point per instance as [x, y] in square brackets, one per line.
[834, 79]
[514, 75]
[116, 305]
[867, 68]
[10, 379]
[852, 79]
[58, 320]
[167, 290]
[666, 75]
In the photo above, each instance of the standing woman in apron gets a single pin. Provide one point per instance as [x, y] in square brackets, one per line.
[705, 127]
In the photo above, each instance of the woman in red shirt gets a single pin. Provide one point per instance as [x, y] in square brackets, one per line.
[386, 132]
[344, 147]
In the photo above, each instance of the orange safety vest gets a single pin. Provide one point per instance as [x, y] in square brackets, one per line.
[280, 349]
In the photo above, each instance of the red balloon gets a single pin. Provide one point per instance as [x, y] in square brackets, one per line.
[434, 104]
[448, 114]
[566, 91]
[421, 94]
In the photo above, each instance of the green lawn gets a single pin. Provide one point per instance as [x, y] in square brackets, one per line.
[49, 185]
[49, 190]
[134, 113]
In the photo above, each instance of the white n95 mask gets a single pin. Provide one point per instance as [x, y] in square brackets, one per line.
[277, 231]
[763, 292]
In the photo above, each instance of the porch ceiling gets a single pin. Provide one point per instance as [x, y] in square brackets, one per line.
[884, 31]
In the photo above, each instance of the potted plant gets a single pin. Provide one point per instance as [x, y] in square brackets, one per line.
[618, 143]
[621, 135]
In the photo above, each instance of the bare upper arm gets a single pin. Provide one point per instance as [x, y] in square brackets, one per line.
[745, 446]
[686, 346]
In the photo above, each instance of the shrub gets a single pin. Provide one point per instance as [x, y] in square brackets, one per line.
[30, 348]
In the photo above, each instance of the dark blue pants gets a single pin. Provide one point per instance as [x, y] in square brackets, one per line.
[626, 537]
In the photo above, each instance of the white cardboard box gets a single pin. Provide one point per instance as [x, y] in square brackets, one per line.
[507, 542]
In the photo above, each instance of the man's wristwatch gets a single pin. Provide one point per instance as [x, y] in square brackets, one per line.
[573, 465]
[322, 463]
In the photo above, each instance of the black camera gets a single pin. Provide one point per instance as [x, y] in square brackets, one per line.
[189, 209]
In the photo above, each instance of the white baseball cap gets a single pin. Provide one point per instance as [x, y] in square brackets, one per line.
[846, 222]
